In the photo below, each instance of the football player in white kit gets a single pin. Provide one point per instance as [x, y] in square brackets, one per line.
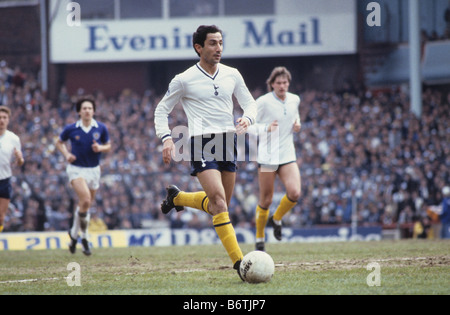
[10, 149]
[88, 139]
[278, 118]
[205, 91]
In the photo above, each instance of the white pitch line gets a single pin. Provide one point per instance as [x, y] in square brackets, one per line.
[27, 280]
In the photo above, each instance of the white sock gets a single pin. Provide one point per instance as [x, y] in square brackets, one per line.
[75, 225]
[84, 224]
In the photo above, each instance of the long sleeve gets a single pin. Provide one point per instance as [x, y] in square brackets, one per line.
[245, 99]
[165, 107]
[260, 125]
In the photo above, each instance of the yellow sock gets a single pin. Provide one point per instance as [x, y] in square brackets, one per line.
[261, 220]
[284, 206]
[1, 228]
[227, 235]
[197, 200]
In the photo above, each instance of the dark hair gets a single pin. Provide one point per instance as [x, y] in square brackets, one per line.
[200, 34]
[81, 101]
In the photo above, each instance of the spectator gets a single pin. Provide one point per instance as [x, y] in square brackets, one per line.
[96, 224]
[422, 228]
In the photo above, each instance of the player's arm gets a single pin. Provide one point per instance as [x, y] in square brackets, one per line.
[247, 103]
[162, 111]
[17, 152]
[264, 121]
[168, 150]
[19, 157]
[297, 124]
[61, 147]
[105, 145]
[101, 148]
[165, 107]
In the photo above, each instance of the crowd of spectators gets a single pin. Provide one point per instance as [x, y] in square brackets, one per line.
[355, 148]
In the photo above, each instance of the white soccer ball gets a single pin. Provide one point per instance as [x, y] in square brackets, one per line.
[257, 267]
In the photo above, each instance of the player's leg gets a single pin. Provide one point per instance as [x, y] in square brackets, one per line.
[218, 187]
[290, 177]
[81, 217]
[4, 204]
[228, 182]
[197, 200]
[5, 196]
[266, 181]
[84, 226]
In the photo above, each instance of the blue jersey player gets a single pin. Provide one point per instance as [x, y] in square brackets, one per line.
[88, 139]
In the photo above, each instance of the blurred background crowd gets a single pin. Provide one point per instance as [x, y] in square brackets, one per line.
[355, 148]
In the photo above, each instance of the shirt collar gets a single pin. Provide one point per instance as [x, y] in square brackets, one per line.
[279, 99]
[206, 73]
[94, 123]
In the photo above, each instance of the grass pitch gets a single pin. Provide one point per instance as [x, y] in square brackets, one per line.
[405, 267]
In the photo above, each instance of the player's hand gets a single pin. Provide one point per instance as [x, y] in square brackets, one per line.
[168, 151]
[242, 125]
[70, 158]
[272, 126]
[19, 157]
[98, 148]
[95, 146]
[297, 126]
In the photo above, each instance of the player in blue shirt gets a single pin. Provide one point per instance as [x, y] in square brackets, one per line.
[445, 215]
[88, 139]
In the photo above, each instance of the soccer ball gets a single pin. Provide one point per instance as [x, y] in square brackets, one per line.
[257, 266]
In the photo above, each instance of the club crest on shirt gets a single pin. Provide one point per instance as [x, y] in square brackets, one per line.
[77, 138]
[96, 135]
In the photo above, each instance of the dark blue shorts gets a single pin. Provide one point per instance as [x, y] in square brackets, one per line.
[5, 188]
[215, 151]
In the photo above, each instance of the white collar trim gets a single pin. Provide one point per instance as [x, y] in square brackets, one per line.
[93, 124]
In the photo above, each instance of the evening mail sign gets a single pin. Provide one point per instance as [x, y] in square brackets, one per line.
[171, 39]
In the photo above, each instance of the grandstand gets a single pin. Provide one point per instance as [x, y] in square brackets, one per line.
[365, 157]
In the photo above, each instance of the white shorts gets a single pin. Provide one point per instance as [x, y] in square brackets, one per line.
[90, 174]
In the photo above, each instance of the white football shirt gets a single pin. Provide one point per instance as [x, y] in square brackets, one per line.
[207, 101]
[276, 147]
[8, 141]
